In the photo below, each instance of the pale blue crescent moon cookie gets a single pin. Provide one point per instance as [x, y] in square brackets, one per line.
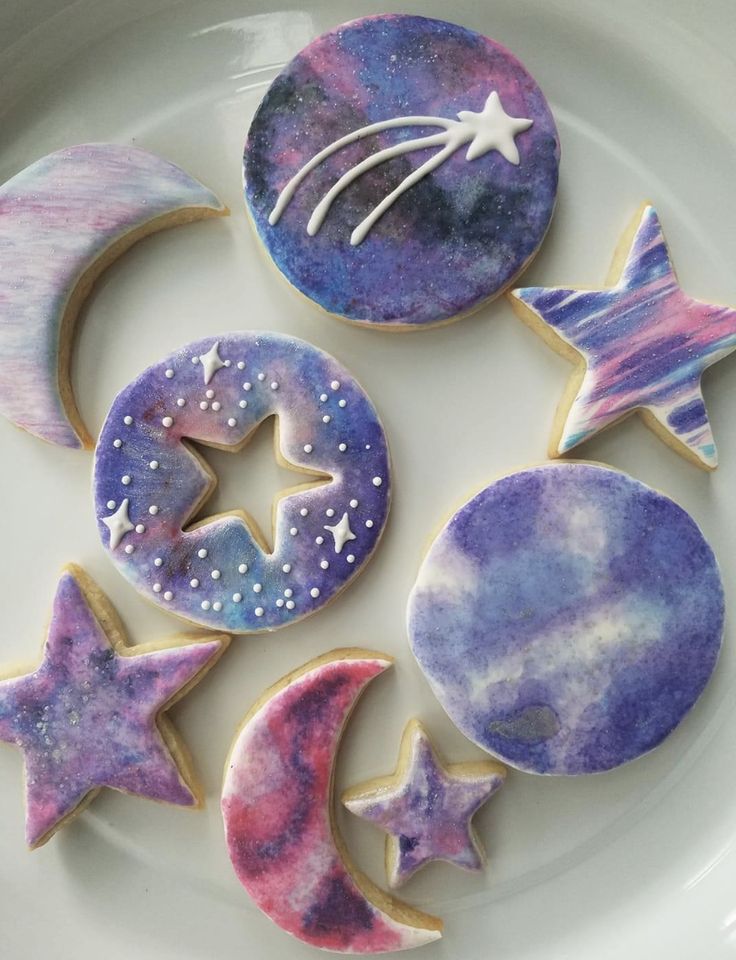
[567, 618]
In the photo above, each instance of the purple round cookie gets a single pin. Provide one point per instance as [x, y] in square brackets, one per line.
[402, 170]
[567, 618]
[149, 483]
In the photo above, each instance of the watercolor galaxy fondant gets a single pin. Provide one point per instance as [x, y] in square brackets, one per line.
[278, 809]
[426, 162]
[62, 221]
[426, 808]
[149, 483]
[640, 345]
[567, 618]
[89, 716]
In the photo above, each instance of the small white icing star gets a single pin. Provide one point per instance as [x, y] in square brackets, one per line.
[118, 524]
[493, 129]
[211, 362]
[341, 532]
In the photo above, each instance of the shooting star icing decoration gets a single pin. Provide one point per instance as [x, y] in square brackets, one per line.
[491, 129]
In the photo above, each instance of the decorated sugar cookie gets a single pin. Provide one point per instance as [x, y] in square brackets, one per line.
[426, 808]
[149, 483]
[400, 170]
[567, 618]
[63, 220]
[278, 809]
[640, 345]
[91, 714]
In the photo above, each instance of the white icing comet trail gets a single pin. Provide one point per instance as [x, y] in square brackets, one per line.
[491, 129]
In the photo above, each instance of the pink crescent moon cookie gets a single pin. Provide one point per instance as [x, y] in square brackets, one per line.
[91, 714]
[62, 221]
[401, 170]
[278, 808]
[149, 482]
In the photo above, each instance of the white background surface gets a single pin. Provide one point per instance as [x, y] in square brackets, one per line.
[639, 862]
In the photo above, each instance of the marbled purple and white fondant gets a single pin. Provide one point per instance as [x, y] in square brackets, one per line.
[567, 618]
[401, 170]
[149, 483]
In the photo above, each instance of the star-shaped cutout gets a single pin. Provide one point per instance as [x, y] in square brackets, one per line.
[118, 524]
[341, 532]
[425, 807]
[90, 715]
[640, 345]
[212, 362]
[493, 129]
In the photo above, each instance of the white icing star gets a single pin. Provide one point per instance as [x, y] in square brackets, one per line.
[341, 532]
[493, 129]
[118, 524]
[211, 362]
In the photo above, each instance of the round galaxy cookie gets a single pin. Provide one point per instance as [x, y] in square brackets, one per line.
[149, 483]
[567, 618]
[400, 170]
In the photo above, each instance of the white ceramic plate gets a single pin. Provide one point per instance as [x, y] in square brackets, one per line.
[640, 862]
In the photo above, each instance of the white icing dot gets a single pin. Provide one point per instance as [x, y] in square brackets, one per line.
[202, 553]
[203, 405]
[353, 504]
[240, 365]
[293, 531]
[216, 406]
[247, 386]
[110, 504]
[342, 403]
[329, 512]
[303, 512]
[335, 384]
[314, 592]
[289, 604]
[129, 549]
[195, 359]
[232, 422]
[308, 448]
[258, 611]
[205, 604]
[157, 588]
[209, 394]
[324, 564]
[377, 481]
[158, 562]
[243, 568]
[139, 528]
[153, 509]
[168, 421]
[319, 541]
[243, 404]
[323, 397]
[286, 568]
[181, 402]
[215, 574]
[117, 443]
[169, 374]
[194, 583]
[217, 606]
[342, 447]
[168, 595]
[125, 480]
[127, 420]
[261, 377]
[227, 363]
[369, 523]
[153, 464]
[326, 418]
[237, 597]
[350, 558]
[257, 587]
[288, 592]
[367, 446]
[279, 603]
[274, 384]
